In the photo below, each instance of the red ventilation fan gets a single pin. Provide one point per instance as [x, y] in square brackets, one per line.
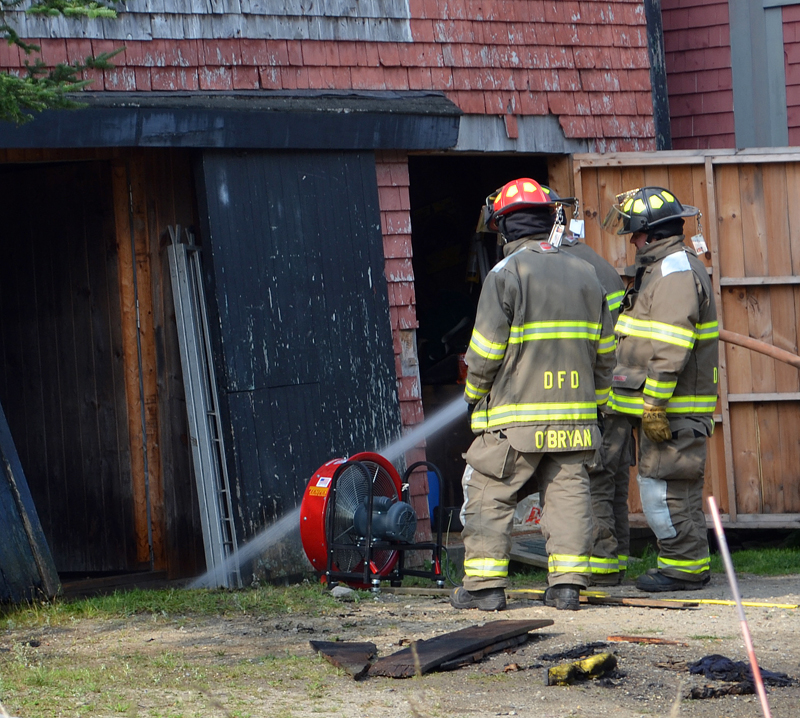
[355, 526]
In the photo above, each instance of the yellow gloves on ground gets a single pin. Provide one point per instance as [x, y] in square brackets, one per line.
[655, 423]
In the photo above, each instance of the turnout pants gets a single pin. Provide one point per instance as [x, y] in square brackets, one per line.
[609, 487]
[671, 476]
[495, 474]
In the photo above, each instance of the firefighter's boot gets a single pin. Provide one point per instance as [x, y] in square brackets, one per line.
[563, 597]
[486, 599]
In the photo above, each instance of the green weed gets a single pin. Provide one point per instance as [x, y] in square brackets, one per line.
[175, 604]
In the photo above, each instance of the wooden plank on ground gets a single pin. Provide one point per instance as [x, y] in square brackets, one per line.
[509, 643]
[645, 639]
[593, 597]
[424, 656]
[354, 658]
[603, 599]
[530, 551]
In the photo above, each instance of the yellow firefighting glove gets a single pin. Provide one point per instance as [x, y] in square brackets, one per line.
[655, 424]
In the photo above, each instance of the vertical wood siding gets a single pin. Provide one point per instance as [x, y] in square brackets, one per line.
[303, 332]
[791, 48]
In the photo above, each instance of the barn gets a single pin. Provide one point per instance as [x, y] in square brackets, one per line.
[293, 193]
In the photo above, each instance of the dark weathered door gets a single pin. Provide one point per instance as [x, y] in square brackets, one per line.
[61, 373]
[294, 261]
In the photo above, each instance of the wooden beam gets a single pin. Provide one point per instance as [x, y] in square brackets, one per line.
[122, 218]
[559, 175]
[767, 396]
[757, 281]
[716, 276]
[686, 157]
[757, 345]
[138, 342]
[761, 158]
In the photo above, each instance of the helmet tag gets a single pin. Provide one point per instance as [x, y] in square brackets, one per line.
[556, 234]
[700, 246]
[576, 227]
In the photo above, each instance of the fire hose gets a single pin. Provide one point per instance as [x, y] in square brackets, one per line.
[757, 345]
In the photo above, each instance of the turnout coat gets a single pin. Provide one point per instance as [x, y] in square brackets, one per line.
[541, 355]
[668, 337]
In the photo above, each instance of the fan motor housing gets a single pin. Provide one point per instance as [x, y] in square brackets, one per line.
[394, 521]
[318, 501]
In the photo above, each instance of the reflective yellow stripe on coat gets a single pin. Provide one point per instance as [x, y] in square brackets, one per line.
[534, 413]
[633, 405]
[656, 331]
[614, 300]
[488, 350]
[535, 331]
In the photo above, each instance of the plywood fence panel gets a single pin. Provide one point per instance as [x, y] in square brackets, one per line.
[631, 177]
[751, 221]
[716, 484]
[793, 216]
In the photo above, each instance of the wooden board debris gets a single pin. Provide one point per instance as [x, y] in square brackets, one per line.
[603, 599]
[529, 550]
[645, 639]
[592, 597]
[354, 658]
[424, 656]
[464, 660]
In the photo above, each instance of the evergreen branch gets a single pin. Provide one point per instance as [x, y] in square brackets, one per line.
[101, 61]
[40, 87]
[22, 96]
[9, 5]
[14, 39]
[72, 8]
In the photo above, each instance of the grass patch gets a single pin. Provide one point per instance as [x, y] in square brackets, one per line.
[306, 599]
[527, 577]
[761, 562]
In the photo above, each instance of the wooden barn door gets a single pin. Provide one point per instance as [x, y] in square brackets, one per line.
[61, 361]
[294, 261]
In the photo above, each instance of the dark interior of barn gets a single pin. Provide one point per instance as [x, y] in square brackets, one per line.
[447, 194]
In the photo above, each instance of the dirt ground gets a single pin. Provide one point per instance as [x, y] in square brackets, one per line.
[256, 666]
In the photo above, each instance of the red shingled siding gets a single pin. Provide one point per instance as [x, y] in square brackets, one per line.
[791, 49]
[509, 57]
[395, 205]
[699, 76]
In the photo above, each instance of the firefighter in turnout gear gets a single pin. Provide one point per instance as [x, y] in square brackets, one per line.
[609, 477]
[666, 380]
[539, 365]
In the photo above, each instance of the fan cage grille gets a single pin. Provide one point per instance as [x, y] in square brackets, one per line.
[352, 489]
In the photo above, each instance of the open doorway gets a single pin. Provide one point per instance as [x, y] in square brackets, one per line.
[447, 194]
[90, 371]
[61, 364]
